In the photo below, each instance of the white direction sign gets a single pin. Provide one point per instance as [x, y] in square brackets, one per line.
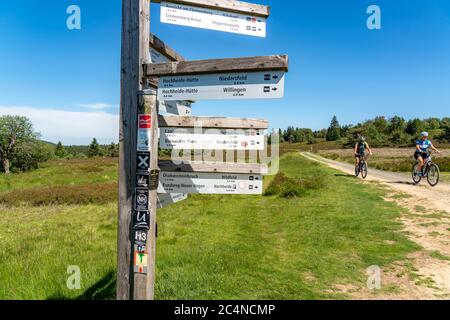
[211, 139]
[156, 57]
[205, 18]
[210, 183]
[247, 85]
[180, 108]
[165, 199]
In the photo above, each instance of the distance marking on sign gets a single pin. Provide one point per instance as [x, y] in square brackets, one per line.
[141, 201]
[211, 19]
[209, 183]
[211, 139]
[247, 85]
[165, 199]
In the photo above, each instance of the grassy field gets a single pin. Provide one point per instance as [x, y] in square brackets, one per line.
[391, 159]
[209, 247]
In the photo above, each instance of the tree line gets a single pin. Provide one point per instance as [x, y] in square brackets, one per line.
[21, 148]
[380, 132]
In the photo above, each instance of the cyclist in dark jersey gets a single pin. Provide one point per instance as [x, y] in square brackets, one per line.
[360, 149]
[421, 154]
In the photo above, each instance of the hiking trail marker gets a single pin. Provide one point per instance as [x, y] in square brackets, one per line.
[183, 133]
[206, 18]
[155, 78]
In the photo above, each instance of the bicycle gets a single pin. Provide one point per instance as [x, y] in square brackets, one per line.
[430, 170]
[361, 167]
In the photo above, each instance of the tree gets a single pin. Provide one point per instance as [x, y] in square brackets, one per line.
[30, 154]
[334, 130]
[15, 132]
[414, 127]
[60, 151]
[94, 149]
[113, 150]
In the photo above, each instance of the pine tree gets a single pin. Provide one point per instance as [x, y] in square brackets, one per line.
[94, 149]
[60, 152]
[334, 131]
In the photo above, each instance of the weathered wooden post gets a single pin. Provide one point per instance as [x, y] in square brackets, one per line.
[135, 51]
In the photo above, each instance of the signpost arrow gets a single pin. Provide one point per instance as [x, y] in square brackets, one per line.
[212, 19]
[239, 78]
[210, 183]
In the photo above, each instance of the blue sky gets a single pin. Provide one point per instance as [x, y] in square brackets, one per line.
[67, 82]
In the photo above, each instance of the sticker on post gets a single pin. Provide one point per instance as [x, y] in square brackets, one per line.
[141, 220]
[143, 161]
[142, 199]
[140, 262]
[144, 132]
[143, 180]
[140, 237]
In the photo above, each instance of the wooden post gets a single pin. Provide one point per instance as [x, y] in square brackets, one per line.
[144, 283]
[135, 51]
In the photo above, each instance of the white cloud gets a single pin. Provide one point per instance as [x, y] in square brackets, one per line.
[67, 126]
[98, 106]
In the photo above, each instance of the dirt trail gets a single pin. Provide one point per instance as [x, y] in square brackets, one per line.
[427, 223]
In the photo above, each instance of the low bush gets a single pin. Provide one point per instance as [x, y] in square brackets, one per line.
[99, 193]
[287, 187]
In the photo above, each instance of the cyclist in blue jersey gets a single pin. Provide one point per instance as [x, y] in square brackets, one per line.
[360, 149]
[422, 153]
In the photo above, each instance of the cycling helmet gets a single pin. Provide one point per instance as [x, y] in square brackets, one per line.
[361, 139]
[424, 134]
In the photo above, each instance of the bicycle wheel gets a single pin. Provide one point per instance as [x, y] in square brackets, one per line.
[433, 175]
[357, 170]
[364, 170]
[415, 173]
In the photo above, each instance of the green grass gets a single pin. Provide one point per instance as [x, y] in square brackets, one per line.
[209, 247]
[440, 256]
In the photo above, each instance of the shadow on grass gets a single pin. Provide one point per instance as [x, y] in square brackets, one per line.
[402, 182]
[345, 175]
[104, 289]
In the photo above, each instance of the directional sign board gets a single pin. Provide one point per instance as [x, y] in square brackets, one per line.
[157, 57]
[209, 183]
[247, 85]
[165, 199]
[211, 139]
[205, 18]
[180, 108]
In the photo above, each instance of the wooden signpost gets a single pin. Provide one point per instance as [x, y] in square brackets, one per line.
[154, 76]
[185, 133]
